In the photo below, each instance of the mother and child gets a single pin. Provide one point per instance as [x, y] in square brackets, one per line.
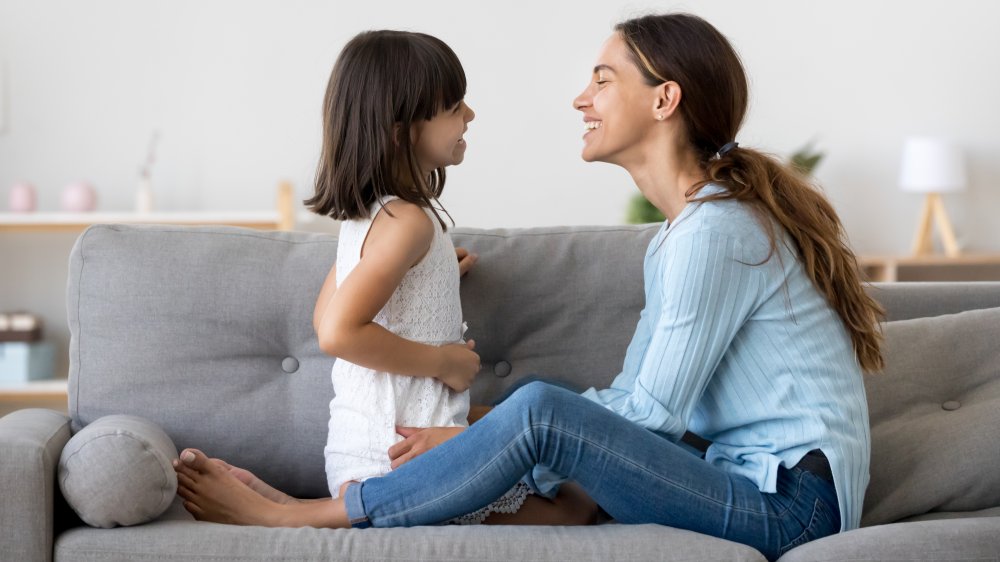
[755, 333]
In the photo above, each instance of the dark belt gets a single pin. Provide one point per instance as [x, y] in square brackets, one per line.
[814, 461]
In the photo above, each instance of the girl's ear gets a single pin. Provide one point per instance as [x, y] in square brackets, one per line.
[397, 132]
[396, 129]
[668, 97]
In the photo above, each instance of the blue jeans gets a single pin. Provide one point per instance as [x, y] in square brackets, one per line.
[635, 475]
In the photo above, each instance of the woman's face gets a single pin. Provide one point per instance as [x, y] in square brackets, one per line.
[618, 106]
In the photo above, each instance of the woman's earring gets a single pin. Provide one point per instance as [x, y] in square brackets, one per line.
[659, 117]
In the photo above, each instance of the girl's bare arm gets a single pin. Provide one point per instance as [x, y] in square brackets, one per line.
[329, 288]
[345, 328]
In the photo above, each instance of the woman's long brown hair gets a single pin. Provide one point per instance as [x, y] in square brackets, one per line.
[686, 49]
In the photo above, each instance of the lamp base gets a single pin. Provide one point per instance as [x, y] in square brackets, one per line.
[933, 211]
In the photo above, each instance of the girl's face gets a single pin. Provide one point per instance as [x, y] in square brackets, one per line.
[618, 106]
[438, 141]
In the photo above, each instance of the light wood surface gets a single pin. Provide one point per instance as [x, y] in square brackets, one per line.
[282, 218]
[933, 212]
[932, 267]
[52, 394]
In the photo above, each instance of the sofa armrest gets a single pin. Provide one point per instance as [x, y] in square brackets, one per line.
[30, 444]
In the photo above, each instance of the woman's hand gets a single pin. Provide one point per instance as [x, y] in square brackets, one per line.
[418, 441]
[465, 260]
[459, 365]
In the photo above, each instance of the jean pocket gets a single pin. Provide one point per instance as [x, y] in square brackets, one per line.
[823, 523]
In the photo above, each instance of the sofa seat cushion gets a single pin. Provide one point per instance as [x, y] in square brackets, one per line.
[934, 417]
[176, 536]
[975, 538]
[936, 515]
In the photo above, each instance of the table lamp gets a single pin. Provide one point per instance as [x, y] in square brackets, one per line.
[932, 166]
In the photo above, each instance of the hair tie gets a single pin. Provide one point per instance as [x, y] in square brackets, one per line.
[727, 148]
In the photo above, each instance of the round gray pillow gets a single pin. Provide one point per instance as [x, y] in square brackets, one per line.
[118, 471]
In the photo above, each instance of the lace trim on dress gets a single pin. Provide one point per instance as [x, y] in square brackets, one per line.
[510, 502]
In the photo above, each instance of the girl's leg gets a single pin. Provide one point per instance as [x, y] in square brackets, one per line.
[572, 506]
[633, 474]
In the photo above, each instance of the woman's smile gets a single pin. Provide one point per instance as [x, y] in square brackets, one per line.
[591, 125]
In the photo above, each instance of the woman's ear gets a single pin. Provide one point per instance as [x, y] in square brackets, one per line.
[668, 97]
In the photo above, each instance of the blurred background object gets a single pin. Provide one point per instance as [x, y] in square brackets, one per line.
[933, 166]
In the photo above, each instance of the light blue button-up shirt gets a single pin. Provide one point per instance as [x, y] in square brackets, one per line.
[746, 354]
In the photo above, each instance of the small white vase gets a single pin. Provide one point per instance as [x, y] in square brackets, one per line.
[144, 197]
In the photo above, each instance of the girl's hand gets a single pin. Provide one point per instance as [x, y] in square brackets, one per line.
[465, 260]
[459, 365]
[418, 441]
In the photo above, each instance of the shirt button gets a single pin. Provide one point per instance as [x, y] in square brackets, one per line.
[501, 369]
[290, 364]
[951, 405]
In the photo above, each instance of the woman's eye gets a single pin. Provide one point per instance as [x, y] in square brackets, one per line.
[601, 82]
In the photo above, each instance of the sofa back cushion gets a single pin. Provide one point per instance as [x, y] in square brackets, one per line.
[207, 331]
[935, 414]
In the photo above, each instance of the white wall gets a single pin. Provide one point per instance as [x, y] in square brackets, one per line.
[235, 88]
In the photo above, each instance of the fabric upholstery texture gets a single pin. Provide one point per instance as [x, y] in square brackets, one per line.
[935, 413]
[30, 442]
[965, 539]
[176, 537]
[117, 471]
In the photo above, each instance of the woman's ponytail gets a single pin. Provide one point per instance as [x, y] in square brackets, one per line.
[802, 211]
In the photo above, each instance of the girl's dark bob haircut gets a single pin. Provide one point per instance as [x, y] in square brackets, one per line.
[383, 82]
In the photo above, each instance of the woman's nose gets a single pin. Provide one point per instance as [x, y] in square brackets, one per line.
[469, 114]
[582, 101]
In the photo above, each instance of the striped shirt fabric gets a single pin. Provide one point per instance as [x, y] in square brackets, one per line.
[745, 352]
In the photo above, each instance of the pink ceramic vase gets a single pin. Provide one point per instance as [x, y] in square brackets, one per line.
[79, 197]
[22, 198]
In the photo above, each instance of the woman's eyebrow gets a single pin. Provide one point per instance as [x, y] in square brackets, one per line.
[601, 67]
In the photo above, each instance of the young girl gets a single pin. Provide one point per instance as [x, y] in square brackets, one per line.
[389, 309]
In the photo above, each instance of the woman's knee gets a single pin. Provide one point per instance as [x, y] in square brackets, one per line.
[535, 394]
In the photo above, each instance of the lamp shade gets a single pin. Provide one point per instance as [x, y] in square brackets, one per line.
[931, 165]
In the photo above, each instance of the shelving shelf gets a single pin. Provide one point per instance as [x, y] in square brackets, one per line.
[51, 394]
[282, 218]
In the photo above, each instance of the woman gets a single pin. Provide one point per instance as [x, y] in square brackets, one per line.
[755, 334]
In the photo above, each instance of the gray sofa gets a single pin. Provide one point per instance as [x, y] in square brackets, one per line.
[207, 332]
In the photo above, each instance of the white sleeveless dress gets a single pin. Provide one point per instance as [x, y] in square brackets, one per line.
[369, 404]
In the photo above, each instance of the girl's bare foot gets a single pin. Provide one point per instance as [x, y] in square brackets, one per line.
[212, 492]
[255, 484]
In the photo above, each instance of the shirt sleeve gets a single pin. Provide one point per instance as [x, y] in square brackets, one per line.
[706, 290]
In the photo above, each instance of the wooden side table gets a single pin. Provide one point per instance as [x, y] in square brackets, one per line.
[969, 267]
